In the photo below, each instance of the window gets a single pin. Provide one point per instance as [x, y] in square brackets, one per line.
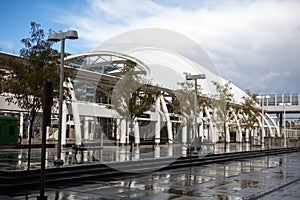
[287, 98]
[271, 101]
[295, 99]
[279, 99]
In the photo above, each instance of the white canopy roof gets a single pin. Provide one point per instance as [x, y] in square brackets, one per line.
[165, 56]
[168, 56]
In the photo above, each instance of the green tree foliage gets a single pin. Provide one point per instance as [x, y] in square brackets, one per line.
[26, 82]
[186, 96]
[250, 110]
[184, 103]
[25, 85]
[223, 101]
[131, 97]
[185, 99]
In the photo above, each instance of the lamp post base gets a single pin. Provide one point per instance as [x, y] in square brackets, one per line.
[58, 162]
[42, 198]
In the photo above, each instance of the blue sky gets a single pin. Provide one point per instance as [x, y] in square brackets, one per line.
[16, 17]
[255, 44]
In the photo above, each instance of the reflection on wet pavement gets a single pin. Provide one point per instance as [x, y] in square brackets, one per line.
[16, 159]
[249, 178]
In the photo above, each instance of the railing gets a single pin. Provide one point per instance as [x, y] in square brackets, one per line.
[276, 99]
[292, 133]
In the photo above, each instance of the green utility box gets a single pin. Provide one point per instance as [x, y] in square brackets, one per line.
[8, 130]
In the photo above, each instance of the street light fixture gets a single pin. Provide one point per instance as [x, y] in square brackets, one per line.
[55, 37]
[262, 98]
[195, 78]
[284, 119]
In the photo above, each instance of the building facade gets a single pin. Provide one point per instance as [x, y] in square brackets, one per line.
[150, 65]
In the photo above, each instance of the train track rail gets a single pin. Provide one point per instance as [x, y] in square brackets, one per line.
[18, 181]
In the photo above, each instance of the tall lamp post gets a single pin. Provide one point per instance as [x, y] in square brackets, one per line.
[195, 78]
[61, 36]
[284, 119]
[262, 98]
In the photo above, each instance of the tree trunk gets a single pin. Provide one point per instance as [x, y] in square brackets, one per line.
[29, 141]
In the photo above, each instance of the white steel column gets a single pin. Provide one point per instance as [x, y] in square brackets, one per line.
[170, 150]
[256, 131]
[123, 131]
[122, 152]
[86, 128]
[184, 134]
[262, 130]
[64, 123]
[275, 125]
[255, 136]
[47, 132]
[118, 129]
[239, 130]
[169, 124]
[269, 127]
[212, 132]
[28, 129]
[21, 125]
[227, 135]
[76, 116]
[278, 125]
[157, 124]
[137, 153]
[190, 133]
[247, 135]
[93, 128]
[157, 152]
[201, 126]
[136, 132]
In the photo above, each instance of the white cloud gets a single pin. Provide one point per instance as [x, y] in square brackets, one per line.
[270, 76]
[4, 44]
[246, 38]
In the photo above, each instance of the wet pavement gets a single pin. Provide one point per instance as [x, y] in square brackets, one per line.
[269, 177]
[291, 191]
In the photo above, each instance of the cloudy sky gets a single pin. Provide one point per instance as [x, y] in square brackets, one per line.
[255, 44]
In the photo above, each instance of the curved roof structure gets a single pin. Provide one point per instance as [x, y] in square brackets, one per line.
[164, 56]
